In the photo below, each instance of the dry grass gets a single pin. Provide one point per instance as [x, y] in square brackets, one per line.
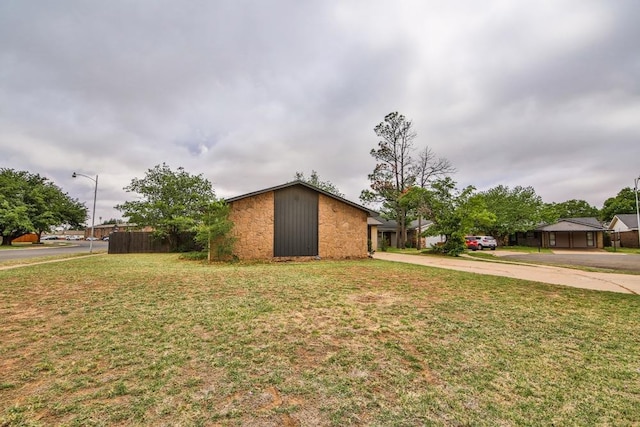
[155, 340]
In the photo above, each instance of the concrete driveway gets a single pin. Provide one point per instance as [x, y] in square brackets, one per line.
[613, 282]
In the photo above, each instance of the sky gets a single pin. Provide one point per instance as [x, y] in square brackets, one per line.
[247, 93]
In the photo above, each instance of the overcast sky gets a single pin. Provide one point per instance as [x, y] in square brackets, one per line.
[531, 93]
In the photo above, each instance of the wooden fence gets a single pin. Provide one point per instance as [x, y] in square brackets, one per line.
[130, 242]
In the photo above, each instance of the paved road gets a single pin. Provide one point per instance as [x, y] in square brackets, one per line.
[623, 283]
[608, 260]
[50, 249]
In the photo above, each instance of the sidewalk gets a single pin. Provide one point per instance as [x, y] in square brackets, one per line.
[623, 283]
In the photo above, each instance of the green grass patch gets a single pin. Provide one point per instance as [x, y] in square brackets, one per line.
[44, 259]
[623, 250]
[18, 246]
[157, 340]
[29, 245]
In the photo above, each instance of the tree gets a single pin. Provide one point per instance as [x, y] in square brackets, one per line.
[516, 210]
[454, 213]
[623, 203]
[393, 174]
[314, 180]
[570, 209]
[427, 168]
[171, 202]
[396, 170]
[112, 221]
[214, 233]
[32, 203]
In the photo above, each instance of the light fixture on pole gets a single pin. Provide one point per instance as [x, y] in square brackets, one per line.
[637, 209]
[93, 216]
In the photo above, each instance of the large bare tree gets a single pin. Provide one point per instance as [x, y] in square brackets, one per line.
[428, 168]
[394, 172]
[397, 170]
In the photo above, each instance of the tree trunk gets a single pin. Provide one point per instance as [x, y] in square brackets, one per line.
[418, 236]
[402, 226]
[6, 240]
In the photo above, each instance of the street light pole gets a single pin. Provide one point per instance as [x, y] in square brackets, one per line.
[637, 209]
[93, 216]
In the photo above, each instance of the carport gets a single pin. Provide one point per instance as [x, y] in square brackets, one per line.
[573, 233]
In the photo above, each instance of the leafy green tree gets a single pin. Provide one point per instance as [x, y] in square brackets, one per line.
[551, 212]
[214, 233]
[314, 180]
[623, 203]
[454, 213]
[172, 202]
[32, 203]
[49, 206]
[516, 210]
[14, 213]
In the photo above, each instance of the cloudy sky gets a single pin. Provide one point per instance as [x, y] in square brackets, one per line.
[531, 93]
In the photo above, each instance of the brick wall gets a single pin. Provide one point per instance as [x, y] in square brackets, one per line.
[342, 230]
[629, 239]
[253, 226]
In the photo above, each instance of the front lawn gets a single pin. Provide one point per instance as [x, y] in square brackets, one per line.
[156, 340]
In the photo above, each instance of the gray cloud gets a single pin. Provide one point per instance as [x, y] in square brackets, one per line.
[247, 93]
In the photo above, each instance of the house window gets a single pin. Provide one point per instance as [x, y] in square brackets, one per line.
[590, 238]
[552, 238]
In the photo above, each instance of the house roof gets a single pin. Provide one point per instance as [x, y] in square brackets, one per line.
[391, 225]
[304, 184]
[574, 224]
[120, 225]
[373, 221]
[629, 220]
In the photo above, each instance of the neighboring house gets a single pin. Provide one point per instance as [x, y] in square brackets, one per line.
[531, 238]
[103, 230]
[297, 220]
[625, 230]
[372, 232]
[429, 241]
[387, 231]
[572, 233]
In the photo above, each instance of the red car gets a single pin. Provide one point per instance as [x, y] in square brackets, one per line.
[472, 242]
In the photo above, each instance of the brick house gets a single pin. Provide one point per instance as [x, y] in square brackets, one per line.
[104, 230]
[572, 233]
[625, 230]
[297, 221]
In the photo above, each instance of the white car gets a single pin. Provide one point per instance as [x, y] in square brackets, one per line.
[486, 242]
